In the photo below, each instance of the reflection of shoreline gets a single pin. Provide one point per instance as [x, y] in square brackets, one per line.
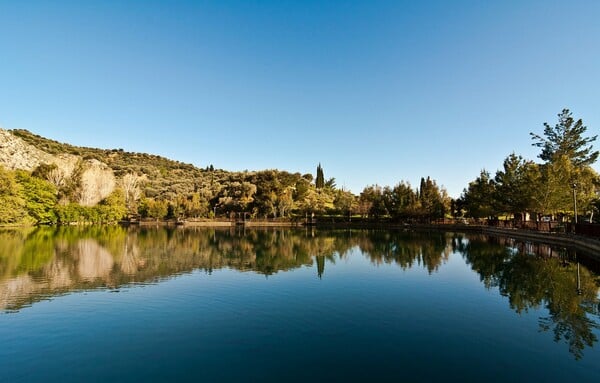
[90, 264]
[550, 279]
[47, 260]
[42, 263]
[589, 245]
[589, 260]
[39, 263]
[109, 256]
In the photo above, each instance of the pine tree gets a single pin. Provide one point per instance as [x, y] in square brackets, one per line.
[566, 139]
[568, 155]
[516, 185]
[478, 198]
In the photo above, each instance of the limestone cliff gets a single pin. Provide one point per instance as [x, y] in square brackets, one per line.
[17, 154]
[97, 179]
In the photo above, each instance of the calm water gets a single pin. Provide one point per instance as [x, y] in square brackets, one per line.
[116, 305]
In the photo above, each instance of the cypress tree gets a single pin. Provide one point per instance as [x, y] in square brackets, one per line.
[320, 179]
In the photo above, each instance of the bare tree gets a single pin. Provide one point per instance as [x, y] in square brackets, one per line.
[57, 177]
[131, 187]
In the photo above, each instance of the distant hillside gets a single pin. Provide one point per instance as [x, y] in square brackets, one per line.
[66, 184]
[145, 184]
[163, 177]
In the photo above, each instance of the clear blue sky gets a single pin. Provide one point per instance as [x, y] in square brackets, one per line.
[376, 91]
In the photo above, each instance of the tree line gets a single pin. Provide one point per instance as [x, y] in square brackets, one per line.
[563, 182]
[33, 198]
[166, 189]
[29, 198]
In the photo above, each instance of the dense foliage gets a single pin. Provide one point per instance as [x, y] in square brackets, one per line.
[554, 187]
[28, 199]
[401, 202]
[154, 187]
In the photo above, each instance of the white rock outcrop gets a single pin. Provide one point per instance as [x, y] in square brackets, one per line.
[97, 179]
[97, 182]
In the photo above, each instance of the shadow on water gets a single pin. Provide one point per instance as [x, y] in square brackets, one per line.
[37, 264]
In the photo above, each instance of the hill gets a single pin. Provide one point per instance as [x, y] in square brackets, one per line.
[162, 177]
[150, 185]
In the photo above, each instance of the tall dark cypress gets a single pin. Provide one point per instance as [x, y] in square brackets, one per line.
[320, 180]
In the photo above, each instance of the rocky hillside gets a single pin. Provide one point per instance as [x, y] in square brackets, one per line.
[16, 153]
[151, 186]
[97, 180]
[103, 168]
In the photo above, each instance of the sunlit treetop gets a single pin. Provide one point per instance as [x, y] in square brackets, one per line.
[566, 138]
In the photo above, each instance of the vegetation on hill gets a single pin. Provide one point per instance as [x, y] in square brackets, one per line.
[163, 177]
[154, 187]
[159, 188]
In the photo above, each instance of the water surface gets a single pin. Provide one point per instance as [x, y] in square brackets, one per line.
[115, 304]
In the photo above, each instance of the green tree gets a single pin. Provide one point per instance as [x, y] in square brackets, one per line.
[39, 196]
[402, 202]
[478, 198]
[158, 209]
[301, 188]
[433, 200]
[285, 201]
[373, 196]
[566, 138]
[113, 208]
[236, 196]
[12, 205]
[330, 183]
[558, 178]
[344, 202]
[320, 179]
[316, 201]
[69, 213]
[516, 185]
[568, 155]
[268, 187]
[151, 208]
[194, 205]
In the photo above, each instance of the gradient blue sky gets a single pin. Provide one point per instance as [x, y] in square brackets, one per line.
[376, 91]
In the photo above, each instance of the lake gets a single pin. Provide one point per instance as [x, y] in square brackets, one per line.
[113, 304]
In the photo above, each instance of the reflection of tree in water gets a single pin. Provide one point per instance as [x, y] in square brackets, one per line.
[131, 260]
[93, 261]
[42, 262]
[46, 261]
[549, 280]
[406, 249]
